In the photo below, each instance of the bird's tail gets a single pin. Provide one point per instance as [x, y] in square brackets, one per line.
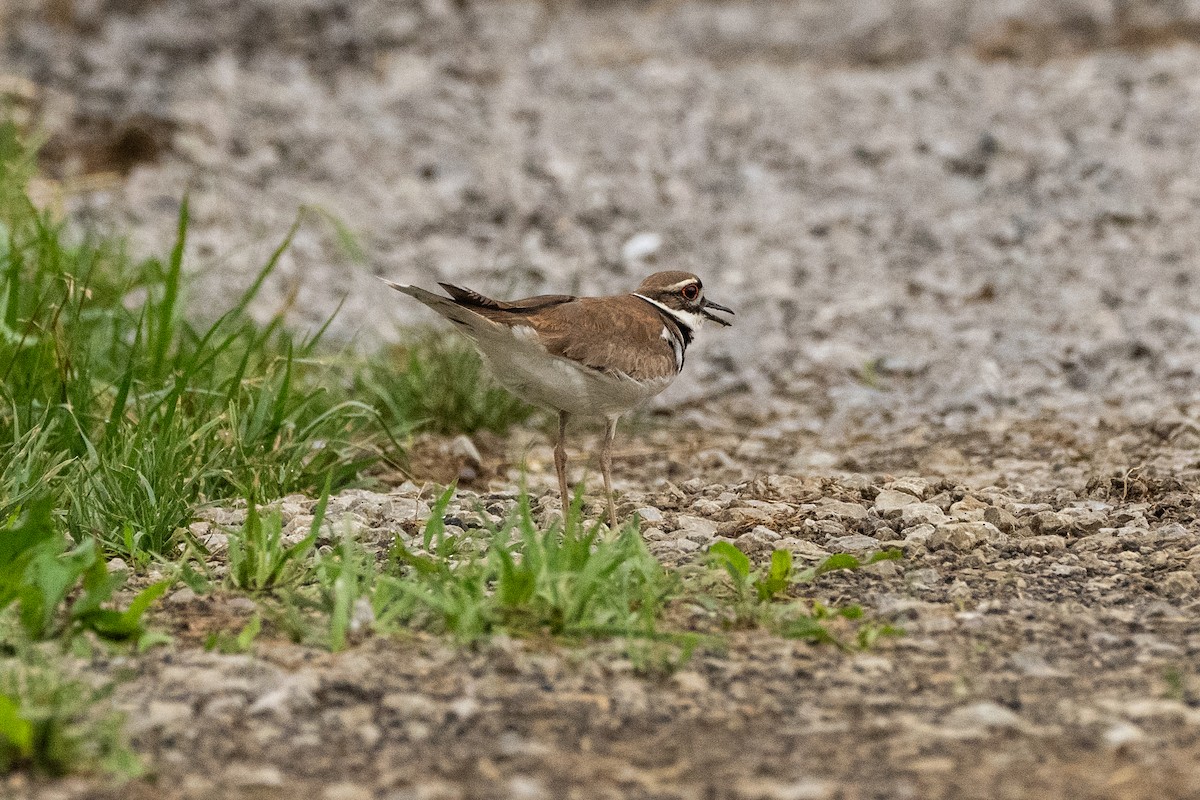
[471, 323]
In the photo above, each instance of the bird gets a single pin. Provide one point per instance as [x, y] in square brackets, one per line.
[583, 356]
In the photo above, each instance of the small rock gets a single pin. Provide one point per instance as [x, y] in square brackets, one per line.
[802, 548]
[463, 448]
[410, 704]
[763, 533]
[650, 515]
[690, 681]
[685, 545]
[853, 543]
[917, 535]
[696, 528]
[160, 714]
[1050, 522]
[283, 700]
[247, 776]
[917, 487]
[464, 708]
[117, 565]
[839, 510]
[182, 596]
[1123, 734]
[889, 502]
[743, 516]
[963, 536]
[969, 509]
[921, 514]
[1003, 520]
[1179, 584]
[527, 787]
[987, 715]
[824, 528]
[766, 789]
[1040, 545]
[347, 791]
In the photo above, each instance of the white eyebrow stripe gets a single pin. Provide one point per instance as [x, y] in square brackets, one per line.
[683, 283]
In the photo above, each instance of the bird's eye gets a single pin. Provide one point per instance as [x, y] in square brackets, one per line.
[690, 292]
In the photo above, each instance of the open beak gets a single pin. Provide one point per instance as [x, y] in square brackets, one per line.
[704, 309]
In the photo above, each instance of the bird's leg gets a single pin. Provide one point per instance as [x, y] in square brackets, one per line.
[560, 461]
[610, 433]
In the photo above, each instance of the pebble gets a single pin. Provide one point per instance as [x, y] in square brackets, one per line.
[650, 515]
[1180, 583]
[412, 705]
[922, 514]
[282, 701]
[889, 502]
[987, 715]
[690, 681]
[969, 509]
[824, 528]
[917, 487]
[840, 510]
[696, 528]
[802, 548]
[767, 789]
[347, 791]
[160, 714]
[963, 536]
[1123, 734]
[182, 596]
[1051, 522]
[1041, 545]
[917, 535]
[853, 544]
[527, 787]
[254, 776]
[761, 535]
[1003, 520]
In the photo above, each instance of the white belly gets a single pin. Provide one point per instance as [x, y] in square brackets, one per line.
[525, 368]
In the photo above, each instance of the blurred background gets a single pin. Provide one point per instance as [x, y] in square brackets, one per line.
[925, 212]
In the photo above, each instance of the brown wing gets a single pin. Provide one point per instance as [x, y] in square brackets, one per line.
[608, 334]
[482, 303]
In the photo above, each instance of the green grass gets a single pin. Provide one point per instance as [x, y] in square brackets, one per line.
[568, 581]
[564, 580]
[760, 597]
[39, 571]
[131, 416]
[438, 380]
[52, 724]
[136, 414]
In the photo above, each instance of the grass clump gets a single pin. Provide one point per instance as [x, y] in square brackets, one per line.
[38, 572]
[129, 414]
[52, 724]
[564, 580]
[752, 595]
[259, 559]
[439, 382]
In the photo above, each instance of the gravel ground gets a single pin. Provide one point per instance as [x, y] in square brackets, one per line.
[1050, 649]
[961, 238]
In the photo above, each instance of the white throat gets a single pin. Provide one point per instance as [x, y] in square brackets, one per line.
[685, 319]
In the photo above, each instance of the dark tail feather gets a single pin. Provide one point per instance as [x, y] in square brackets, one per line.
[470, 297]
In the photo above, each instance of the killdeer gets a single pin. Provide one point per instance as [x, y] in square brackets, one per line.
[583, 356]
